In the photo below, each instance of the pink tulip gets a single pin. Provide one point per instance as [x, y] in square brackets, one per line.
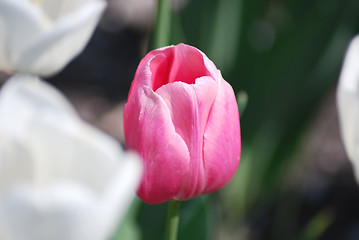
[182, 118]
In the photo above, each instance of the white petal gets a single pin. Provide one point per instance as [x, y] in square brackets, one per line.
[348, 102]
[121, 191]
[56, 8]
[60, 178]
[64, 211]
[31, 42]
[37, 120]
[65, 40]
[25, 97]
[20, 25]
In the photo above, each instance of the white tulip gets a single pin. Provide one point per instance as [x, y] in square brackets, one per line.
[60, 178]
[42, 36]
[348, 103]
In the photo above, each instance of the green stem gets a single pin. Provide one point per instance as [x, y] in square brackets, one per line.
[163, 23]
[172, 220]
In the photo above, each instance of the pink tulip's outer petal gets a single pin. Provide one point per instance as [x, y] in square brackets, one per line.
[170, 64]
[154, 69]
[149, 130]
[157, 65]
[222, 142]
[165, 51]
[187, 65]
[189, 106]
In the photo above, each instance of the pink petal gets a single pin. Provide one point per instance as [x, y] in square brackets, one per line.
[222, 142]
[187, 64]
[189, 106]
[149, 130]
[181, 63]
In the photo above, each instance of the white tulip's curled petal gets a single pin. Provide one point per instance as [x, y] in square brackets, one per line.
[64, 211]
[20, 25]
[3, 58]
[81, 151]
[348, 102]
[25, 97]
[349, 77]
[54, 8]
[42, 37]
[34, 113]
[64, 41]
[120, 193]
[14, 171]
[60, 178]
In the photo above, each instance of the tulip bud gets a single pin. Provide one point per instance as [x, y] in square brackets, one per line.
[182, 118]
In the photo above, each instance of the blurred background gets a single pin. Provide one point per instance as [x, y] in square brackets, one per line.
[283, 59]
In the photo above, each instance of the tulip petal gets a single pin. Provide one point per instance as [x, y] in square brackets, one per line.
[30, 42]
[22, 100]
[144, 72]
[54, 8]
[166, 65]
[59, 177]
[348, 102]
[120, 192]
[187, 65]
[189, 106]
[65, 40]
[20, 25]
[222, 143]
[25, 97]
[61, 207]
[149, 130]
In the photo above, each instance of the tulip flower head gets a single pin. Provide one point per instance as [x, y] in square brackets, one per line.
[182, 118]
[59, 177]
[41, 36]
[348, 103]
